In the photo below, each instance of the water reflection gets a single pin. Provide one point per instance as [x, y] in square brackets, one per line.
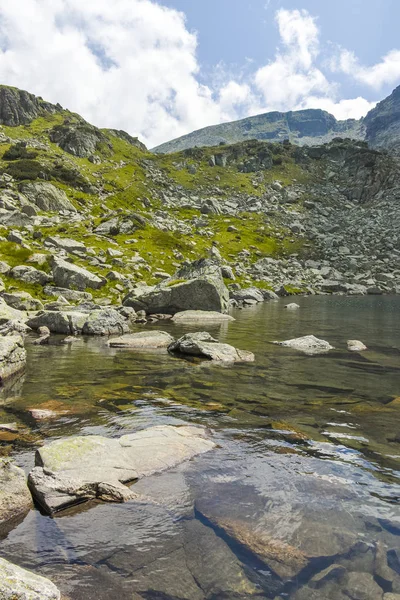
[307, 467]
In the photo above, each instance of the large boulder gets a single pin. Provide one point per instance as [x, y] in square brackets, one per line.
[106, 321]
[19, 584]
[77, 469]
[71, 295]
[8, 313]
[197, 287]
[66, 322]
[15, 497]
[29, 274]
[67, 244]
[253, 294]
[144, 340]
[22, 301]
[47, 197]
[202, 344]
[309, 344]
[12, 356]
[67, 275]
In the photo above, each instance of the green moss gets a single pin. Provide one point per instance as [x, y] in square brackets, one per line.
[175, 282]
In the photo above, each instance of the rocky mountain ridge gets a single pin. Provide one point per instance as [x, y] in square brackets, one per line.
[380, 128]
[92, 221]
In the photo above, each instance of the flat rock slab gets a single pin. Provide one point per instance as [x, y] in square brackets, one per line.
[309, 344]
[12, 355]
[201, 316]
[19, 584]
[83, 468]
[143, 340]
[15, 497]
[202, 344]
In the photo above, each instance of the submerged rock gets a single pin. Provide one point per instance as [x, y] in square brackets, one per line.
[202, 344]
[12, 356]
[356, 346]
[309, 344]
[292, 306]
[19, 584]
[143, 340]
[77, 469]
[197, 287]
[15, 497]
[201, 316]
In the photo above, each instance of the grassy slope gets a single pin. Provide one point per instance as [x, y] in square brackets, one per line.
[122, 175]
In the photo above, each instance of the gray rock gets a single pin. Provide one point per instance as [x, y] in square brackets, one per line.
[292, 306]
[22, 301]
[7, 313]
[30, 275]
[67, 275]
[202, 344]
[144, 340]
[71, 295]
[47, 197]
[19, 584]
[66, 322]
[15, 497]
[18, 107]
[107, 321]
[81, 468]
[12, 356]
[251, 293]
[196, 287]
[67, 244]
[4, 268]
[309, 344]
[201, 316]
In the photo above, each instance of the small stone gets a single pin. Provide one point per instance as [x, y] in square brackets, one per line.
[356, 346]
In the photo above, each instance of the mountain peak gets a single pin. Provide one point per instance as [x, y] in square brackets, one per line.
[18, 107]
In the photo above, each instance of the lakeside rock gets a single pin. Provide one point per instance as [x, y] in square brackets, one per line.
[107, 321]
[309, 344]
[200, 316]
[203, 345]
[15, 497]
[12, 356]
[77, 469]
[17, 583]
[144, 340]
[198, 286]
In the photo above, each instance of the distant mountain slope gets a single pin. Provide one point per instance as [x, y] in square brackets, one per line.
[380, 128]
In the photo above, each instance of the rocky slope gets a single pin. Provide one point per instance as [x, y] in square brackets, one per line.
[380, 128]
[89, 217]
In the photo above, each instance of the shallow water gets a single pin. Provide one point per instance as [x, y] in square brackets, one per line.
[306, 467]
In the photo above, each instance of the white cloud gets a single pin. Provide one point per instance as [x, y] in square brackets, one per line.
[387, 71]
[355, 108]
[132, 64]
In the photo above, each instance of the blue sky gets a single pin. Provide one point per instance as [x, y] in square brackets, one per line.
[162, 68]
[235, 30]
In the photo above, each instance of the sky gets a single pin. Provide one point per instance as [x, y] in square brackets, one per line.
[161, 68]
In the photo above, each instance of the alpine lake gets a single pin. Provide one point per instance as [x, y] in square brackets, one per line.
[299, 499]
